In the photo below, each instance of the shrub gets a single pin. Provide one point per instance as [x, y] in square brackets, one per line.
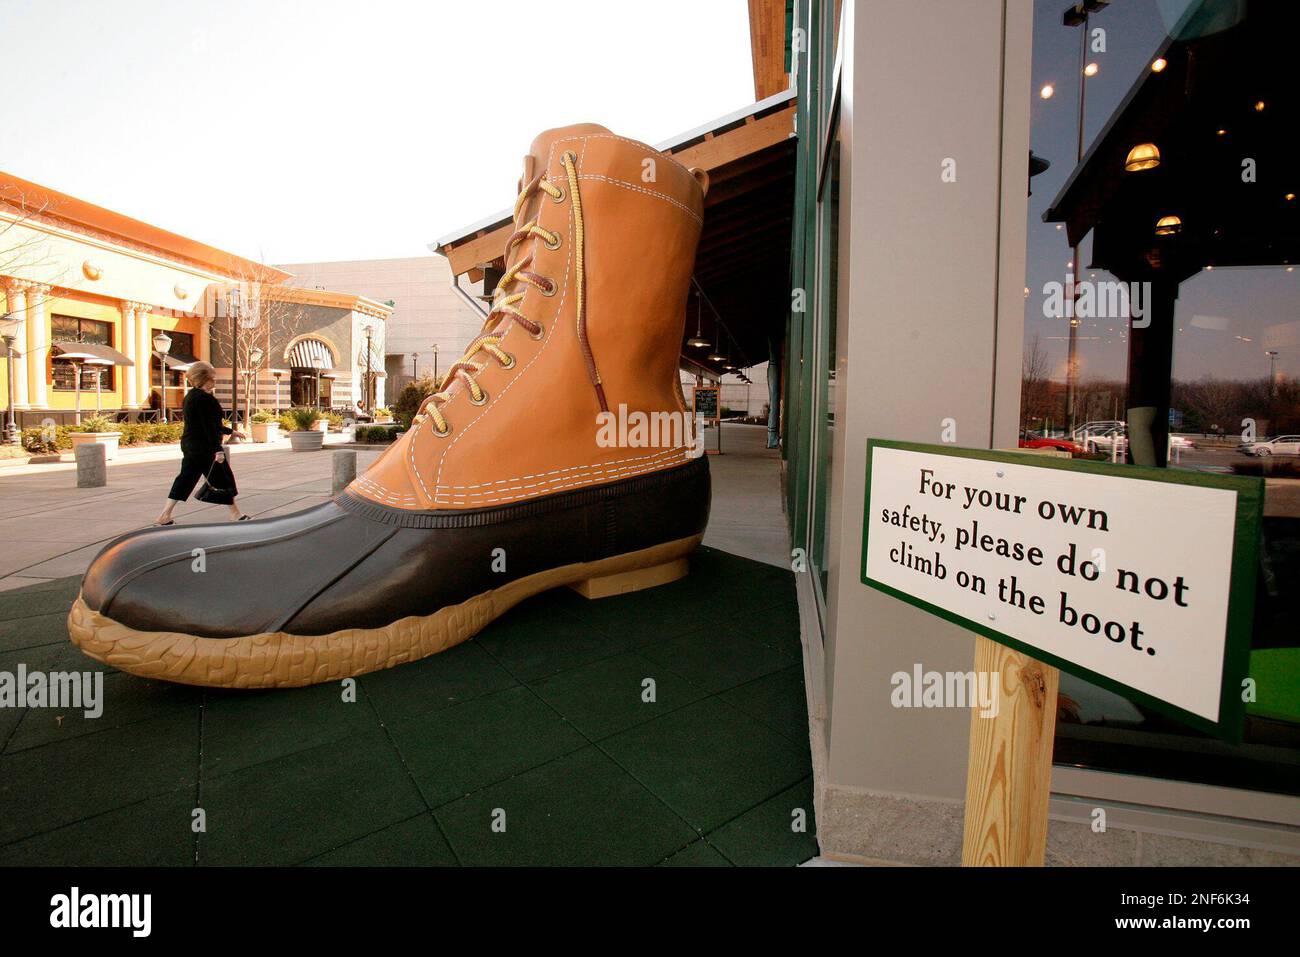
[335, 419]
[263, 416]
[95, 423]
[299, 420]
[409, 399]
[383, 412]
[377, 433]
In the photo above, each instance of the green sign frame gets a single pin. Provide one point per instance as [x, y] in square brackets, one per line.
[1241, 592]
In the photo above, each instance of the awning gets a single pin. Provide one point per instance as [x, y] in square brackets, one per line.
[180, 362]
[310, 354]
[89, 352]
[376, 361]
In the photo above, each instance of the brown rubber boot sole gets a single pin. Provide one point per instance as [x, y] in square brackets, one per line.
[279, 660]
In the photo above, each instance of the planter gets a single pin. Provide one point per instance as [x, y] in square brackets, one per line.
[266, 431]
[310, 441]
[383, 420]
[108, 439]
[321, 425]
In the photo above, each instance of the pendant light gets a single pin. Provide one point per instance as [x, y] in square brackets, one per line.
[697, 341]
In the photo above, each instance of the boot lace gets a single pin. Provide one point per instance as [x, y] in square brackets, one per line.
[506, 299]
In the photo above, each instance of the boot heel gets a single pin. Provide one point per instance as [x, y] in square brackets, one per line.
[635, 580]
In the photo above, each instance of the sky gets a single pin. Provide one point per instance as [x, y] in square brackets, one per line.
[1226, 318]
[289, 131]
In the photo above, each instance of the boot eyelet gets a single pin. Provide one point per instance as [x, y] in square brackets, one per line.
[557, 242]
[550, 288]
[561, 197]
[442, 433]
[482, 401]
[541, 331]
[509, 363]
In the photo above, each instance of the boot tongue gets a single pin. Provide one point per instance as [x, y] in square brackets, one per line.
[540, 153]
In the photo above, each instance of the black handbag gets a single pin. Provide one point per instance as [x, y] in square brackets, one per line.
[219, 484]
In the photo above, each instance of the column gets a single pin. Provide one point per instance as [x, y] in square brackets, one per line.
[38, 345]
[144, 349]
[131, 374]
[16, 294]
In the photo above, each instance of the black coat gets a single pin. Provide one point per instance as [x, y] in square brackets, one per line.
[203, 429]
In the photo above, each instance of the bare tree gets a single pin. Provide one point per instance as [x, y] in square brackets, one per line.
[1035, 384]
[268, 313]
[24, 251]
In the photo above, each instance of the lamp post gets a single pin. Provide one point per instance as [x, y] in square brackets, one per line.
[1272, 370]
[370, 331]
[415, 365]
[277, 374]
[255, 366]
[9, 332]
[232, 308]
[162, 344]
[435, 364]
[1076, 15]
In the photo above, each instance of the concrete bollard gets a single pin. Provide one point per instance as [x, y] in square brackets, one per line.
[92, 465]
[345, 468]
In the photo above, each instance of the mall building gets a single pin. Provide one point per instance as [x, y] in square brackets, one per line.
[870, 229]
[89, 290]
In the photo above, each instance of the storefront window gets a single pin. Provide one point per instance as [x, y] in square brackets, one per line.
[76, 329]
[1182, 213]
[182, 350]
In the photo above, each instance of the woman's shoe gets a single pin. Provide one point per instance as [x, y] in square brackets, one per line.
[559, 453]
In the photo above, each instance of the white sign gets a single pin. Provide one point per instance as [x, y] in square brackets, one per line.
[1125, 577]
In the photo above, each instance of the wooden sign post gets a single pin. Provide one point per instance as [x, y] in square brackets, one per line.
[1139, 580]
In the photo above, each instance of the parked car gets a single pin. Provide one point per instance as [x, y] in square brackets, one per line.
[1181, 442]
[1112, 441]
[1036, 440]
[1282, 445]
[1096, 427]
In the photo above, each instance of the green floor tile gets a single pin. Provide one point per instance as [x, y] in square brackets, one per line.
[766, 836]
[457, 675]
[152, 833]
[609, 695]
[29, 632]
[458, 750]
[242, 728]
[581, 809]
[698, 854]
[56, 656]
[55, 784]
[778, 700]
[776, 625]
[24, 603]
[537, 639]
[412, 843]
[125, 700]
[646, 617]
[744, 583]
[708, 761]
[293, 808]
[718, 657]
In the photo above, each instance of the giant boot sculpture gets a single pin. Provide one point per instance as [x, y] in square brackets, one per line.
[509, 482]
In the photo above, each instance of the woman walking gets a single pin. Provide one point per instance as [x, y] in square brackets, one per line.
[201, 444]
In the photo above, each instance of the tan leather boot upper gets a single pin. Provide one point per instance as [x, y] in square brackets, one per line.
[534, 430]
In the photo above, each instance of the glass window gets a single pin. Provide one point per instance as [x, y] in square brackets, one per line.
[76, 329]
[1160, 307]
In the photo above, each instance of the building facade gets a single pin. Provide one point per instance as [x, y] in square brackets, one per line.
[301, 347]
[430, 323]
[74, 272]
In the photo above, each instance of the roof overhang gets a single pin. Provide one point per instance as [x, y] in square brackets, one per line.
[1225, 96]
[40, 203]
